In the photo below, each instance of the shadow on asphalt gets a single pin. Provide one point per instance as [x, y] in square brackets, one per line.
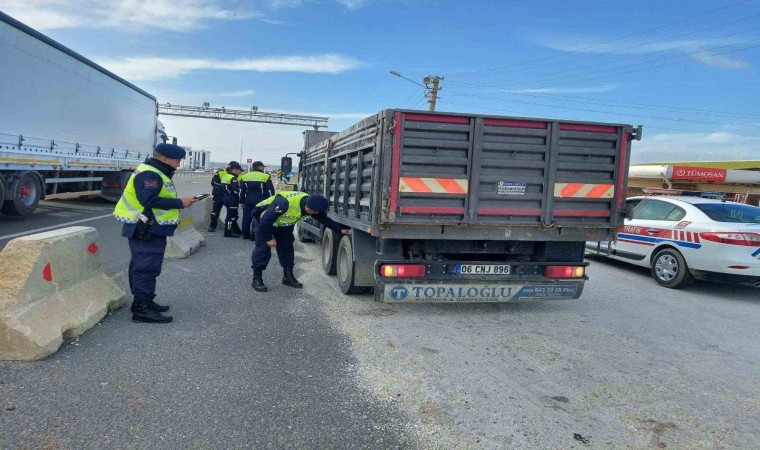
[724, 291]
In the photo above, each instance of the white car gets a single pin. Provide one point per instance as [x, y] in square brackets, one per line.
[686, 238]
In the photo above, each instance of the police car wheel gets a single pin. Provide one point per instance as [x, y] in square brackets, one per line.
[329, 252]
[669, 269]
[346, 268]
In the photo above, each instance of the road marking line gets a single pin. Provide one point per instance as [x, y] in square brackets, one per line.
[53, 227]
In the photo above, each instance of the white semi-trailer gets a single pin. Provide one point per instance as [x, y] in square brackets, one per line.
[67, 125]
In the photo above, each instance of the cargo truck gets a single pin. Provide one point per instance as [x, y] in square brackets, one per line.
[449, 207]
[67, 125]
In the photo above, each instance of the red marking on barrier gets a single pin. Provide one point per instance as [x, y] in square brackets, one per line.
[580, 213]
[438, 119]
[509, 212]
[514, 123]
[396, 162]
[621, 170]
[431, 210]
[92, 248]
[47, 273]
[592, 128]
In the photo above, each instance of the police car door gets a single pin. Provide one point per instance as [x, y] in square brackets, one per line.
[652, 223]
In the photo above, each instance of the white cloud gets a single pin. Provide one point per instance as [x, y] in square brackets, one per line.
[132, 15]
[721, 61]
[352, 4]
[715, 146]
[154, 68]
[561, 90]
[702, 49]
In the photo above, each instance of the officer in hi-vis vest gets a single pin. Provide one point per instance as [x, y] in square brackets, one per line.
[279, 215]
[217, 193]
[149, 209]
[255, 186]
[231, 199]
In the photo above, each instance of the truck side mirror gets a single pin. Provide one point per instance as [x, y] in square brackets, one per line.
[629, 211]
[286, 166]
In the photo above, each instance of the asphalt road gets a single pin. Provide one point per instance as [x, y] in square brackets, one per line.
[629, 364]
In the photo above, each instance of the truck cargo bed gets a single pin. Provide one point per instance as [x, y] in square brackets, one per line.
[400, 172]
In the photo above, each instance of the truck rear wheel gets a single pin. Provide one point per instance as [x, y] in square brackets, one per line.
[25, 193]
[303, 236]
[329, 252]
[347, 268]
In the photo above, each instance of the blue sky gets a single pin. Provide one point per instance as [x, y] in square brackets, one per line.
[686, 70]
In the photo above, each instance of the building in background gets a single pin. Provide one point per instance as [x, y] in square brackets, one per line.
[196, 159]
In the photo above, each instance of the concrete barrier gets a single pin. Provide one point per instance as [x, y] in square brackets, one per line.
[51, 287]
[186, 237]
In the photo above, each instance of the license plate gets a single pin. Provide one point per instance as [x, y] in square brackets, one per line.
[483, 269]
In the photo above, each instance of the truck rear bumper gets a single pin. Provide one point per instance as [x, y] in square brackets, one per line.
[414, 291]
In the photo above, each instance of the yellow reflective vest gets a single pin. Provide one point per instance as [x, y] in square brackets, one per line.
[293, 214]
[128, 209]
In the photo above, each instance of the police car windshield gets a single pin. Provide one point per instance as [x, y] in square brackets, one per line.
[731, 212]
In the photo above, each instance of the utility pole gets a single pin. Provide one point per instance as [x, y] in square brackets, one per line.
[241, 150]
[435, 81]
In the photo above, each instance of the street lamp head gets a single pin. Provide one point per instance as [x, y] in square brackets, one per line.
[206, 104]
[393, 72]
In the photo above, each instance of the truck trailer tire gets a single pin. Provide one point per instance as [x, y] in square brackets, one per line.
[2, 189]
[24, 194]
[347, 268]
[302, 234]
[329, 252]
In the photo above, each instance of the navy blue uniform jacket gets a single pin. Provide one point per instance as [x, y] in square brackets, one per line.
[147, 187]
[270, 215]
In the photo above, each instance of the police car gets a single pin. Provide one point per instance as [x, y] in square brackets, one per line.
[683, 238]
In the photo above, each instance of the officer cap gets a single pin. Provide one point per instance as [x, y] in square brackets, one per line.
[170, 151]
[317, 203]
[235, 165]
[257, 164]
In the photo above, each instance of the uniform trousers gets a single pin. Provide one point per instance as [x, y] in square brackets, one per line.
[262, 253]
[145, 267]
[217, 208]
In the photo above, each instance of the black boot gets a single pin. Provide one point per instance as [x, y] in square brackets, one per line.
[211, 229]
[246, 236]
[288, 279]
[142, 312]
[258, 281]
[156, 307]
[229, 231]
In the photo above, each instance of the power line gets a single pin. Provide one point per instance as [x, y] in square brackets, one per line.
[642, 106]
[596, 55]
[503, 110]
[414, 94]
[592, 110]
[595, 65]
[689, 59]
[569, 52]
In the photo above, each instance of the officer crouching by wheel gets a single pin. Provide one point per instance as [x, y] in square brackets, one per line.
[279, 215]
[149, 209]
[231, 199]
[255, 187]
[217, 192]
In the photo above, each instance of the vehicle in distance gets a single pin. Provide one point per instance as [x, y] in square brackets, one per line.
[683, 238]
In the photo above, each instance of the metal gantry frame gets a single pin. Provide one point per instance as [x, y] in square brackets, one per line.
[252, 115]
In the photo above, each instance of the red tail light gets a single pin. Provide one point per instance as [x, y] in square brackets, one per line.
[564, 271]
[403, 270]
[732, 238]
